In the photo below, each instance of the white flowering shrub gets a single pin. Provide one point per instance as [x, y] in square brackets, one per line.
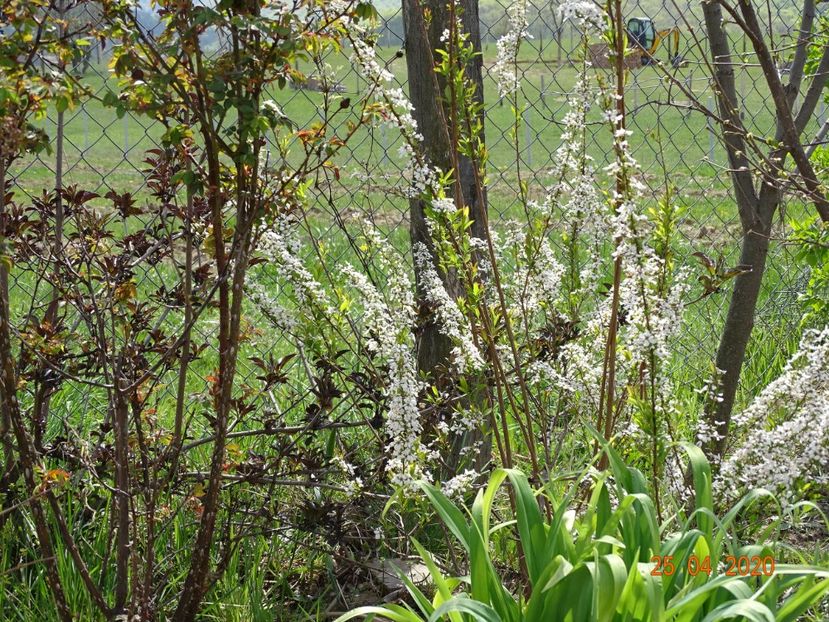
[562, 318]
[587, 14]
[505, 69]
[784, 443]
[565, 317]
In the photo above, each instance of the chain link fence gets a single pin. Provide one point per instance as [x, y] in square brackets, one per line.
[673, 142]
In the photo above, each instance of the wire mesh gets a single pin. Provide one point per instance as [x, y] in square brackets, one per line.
[671, 140]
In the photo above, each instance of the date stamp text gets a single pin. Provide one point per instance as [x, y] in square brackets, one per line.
[734, 566]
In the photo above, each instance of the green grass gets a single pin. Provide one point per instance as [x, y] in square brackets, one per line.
[102, 151]
[101, 147]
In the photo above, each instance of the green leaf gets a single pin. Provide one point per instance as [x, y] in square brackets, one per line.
[417, 595]
[531, 527]
[701, 473]
[641, 597]
[486, 585]
[557, 569]
[609, 579]
[463, 604]
[692, 602]
[366, 10]
[444, 592]
[449, 514]
[570, 598]
[746, 609]
[394, 613]
[808, 595]
[62, 103]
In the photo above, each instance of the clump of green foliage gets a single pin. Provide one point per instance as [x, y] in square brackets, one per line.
[610, 560]
[812, 237]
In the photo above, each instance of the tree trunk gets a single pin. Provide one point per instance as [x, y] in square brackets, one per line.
[433, 347]
[739, 321]
[425, 91]
[755, 217]
[756, 209]
[728, 106]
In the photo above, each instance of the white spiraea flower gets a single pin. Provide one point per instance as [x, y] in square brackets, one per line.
[276, 314]
[787, 439]
[465, 354]
[505, 70]
[544, 374]
[422, 178]
[459, 484]
[389, 327]
[585, 13]
[444, 206]
[282, 248]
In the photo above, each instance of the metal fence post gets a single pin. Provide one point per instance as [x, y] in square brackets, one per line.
[710, 131]
[528, 135]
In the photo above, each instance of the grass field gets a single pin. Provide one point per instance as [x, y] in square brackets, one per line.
[100, 148]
